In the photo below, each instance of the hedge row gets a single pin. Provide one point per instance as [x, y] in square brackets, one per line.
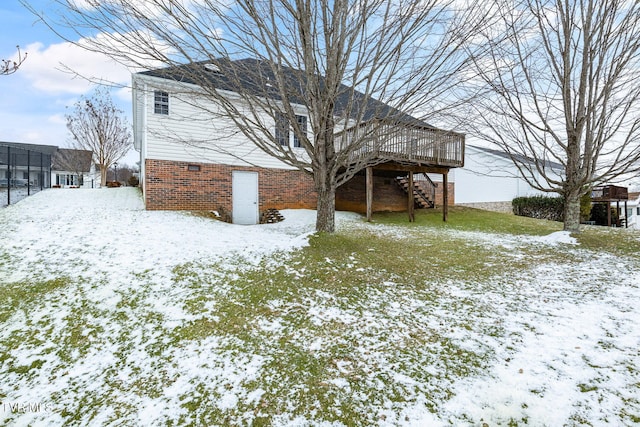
[541, 207]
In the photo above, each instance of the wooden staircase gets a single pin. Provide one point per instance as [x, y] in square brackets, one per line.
[424, 190]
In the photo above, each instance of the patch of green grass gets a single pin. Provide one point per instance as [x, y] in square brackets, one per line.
[19, 295]
[470, 219]
[586, 388]
[617, 241]
[278, 310]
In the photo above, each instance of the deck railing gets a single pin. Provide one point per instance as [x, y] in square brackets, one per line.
[403, 143]
[610, 192]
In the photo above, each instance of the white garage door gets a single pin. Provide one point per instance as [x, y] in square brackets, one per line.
[245, 197]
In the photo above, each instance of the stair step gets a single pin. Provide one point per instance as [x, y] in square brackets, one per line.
[420, 198]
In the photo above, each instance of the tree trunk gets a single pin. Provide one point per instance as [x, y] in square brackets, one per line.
[326, 217]
[572, 212]
[103, 175]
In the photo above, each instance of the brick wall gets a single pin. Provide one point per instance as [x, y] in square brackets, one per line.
[172, 186]
[439, 194]
[387, 195]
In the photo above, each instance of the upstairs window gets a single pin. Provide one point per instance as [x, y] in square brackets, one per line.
[161, 102]
[302, 124]
[282, 129]
[283, 133]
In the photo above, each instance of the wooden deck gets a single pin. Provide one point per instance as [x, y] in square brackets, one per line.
[404, 144]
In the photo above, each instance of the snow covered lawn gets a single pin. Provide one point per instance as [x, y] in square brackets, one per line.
[113, 315]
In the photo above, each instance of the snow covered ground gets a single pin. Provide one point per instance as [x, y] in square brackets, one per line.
[15, 195]
[88, 350]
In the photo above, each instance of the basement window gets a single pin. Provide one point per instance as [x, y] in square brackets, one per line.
[194, 168]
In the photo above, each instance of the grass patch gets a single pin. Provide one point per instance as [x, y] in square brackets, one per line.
[470, 219]
[20, 295]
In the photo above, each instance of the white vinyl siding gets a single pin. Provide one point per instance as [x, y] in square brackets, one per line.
[194, 135]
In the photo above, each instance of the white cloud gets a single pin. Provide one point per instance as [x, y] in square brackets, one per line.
[75, 68]
[65, 68]
[57, 119]
[34, 129]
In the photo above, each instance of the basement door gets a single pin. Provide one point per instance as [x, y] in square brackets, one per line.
[244, 192]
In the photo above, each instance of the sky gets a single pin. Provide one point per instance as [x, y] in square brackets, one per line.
[37, 97]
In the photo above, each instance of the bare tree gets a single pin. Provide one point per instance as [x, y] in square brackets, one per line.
[335, 58]
[8, 66]
[97, 125]
[560, 86]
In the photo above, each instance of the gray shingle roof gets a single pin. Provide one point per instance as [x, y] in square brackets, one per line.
[253, 76]
[518, 157]
[39, 148]
[67, 159]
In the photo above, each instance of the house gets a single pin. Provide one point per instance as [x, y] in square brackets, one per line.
[490, 180]
[193, 157]
[74, 169]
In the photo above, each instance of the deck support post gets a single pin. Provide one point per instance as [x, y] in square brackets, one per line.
[445, 196]
[369, 192]
[410, 199]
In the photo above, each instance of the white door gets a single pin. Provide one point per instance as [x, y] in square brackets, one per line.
[245, 197]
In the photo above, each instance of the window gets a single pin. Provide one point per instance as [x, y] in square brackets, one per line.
[64, 179]
[282, 129]
[283, 133]
[302, 124]
[161, 102]
[193, 168]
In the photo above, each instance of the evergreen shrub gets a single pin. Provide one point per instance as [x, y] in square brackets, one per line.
[540, 207]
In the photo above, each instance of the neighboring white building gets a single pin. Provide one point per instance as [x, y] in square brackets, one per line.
[73, 169]
[489, 179]
[633, 211]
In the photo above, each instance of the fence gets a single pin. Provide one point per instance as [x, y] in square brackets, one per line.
[24, 170]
